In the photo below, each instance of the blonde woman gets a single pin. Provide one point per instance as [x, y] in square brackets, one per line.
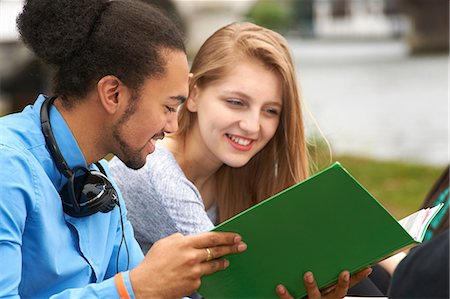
[240, 139]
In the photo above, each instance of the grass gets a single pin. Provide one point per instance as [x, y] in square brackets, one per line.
[400, 187]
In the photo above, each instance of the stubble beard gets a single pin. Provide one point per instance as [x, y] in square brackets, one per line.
[132, 158]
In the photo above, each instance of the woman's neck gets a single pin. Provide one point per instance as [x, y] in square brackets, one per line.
[197, 163]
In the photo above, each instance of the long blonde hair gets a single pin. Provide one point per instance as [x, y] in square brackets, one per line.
[284, 160]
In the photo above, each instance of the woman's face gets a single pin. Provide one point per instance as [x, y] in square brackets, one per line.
[239, 114]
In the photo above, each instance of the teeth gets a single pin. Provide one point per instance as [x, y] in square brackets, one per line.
[240, 141]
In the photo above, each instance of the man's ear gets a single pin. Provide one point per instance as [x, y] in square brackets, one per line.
[191, 102]
[112, 93]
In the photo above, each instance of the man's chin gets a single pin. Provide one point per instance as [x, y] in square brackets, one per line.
[135, 164]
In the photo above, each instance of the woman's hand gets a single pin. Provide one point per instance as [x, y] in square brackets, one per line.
[338, 290]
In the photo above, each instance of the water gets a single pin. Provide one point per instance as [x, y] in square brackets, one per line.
[372, 99]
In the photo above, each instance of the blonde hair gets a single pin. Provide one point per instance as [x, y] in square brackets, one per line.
[284, 160]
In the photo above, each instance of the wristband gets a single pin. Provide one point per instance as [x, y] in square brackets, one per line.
[120, 285]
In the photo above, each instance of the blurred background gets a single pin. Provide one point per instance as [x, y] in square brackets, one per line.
[373, 75]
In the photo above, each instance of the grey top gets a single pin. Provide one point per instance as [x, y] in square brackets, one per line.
[160, 199]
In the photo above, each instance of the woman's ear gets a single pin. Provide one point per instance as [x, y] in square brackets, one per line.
[112, 93]
[191, 102]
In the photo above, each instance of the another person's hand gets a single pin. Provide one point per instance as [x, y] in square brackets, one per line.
[174, 265]
[338, 290]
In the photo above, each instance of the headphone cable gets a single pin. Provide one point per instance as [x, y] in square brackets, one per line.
[124, 241]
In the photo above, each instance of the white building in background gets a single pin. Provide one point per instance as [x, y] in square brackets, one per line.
[358, 18]
[204, 17]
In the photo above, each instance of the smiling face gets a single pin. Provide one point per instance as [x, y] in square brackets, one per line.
[152, 112]
[237, 115]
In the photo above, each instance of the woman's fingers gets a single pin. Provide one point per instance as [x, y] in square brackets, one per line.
[311, 286]
[342, 286]
[339, 290]
[282, 292]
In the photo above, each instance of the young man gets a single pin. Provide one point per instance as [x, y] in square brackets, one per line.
[120, 73]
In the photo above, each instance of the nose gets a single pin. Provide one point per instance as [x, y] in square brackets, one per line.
[171, 124]
[250, 122]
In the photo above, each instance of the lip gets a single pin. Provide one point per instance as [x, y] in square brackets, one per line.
[238, 146]
[152, 143]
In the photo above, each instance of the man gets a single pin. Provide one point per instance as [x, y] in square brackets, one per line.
[120, 73]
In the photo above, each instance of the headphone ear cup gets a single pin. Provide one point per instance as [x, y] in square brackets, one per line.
[108, 205]
[84, 194]
[70, 194]
[108, 199]
[67, 199]
[88, 194]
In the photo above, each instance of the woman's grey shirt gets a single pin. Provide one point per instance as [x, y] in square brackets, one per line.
[160, 199]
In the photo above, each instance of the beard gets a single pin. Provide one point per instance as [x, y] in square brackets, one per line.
[132, 158]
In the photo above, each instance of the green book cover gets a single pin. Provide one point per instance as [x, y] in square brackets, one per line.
[325, 224]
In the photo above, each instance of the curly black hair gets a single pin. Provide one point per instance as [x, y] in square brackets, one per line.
[85, 40]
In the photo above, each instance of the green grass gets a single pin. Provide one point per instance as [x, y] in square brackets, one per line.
[400, 187]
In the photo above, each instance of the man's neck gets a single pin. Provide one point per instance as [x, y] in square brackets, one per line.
[84, 123]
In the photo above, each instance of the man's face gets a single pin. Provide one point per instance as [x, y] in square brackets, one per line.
[152, 112]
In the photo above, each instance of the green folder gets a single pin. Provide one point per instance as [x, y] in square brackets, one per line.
[325, 224]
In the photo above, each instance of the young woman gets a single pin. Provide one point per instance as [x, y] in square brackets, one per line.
[240, 139]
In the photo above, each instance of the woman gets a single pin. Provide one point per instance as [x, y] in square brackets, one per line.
[240, 139]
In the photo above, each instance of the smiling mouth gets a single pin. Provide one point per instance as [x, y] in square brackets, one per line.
[240, 143]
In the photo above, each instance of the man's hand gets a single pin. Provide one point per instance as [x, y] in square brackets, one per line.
[174, 265]
[338, 290]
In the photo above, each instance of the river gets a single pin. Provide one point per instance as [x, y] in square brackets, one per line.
[371, 98]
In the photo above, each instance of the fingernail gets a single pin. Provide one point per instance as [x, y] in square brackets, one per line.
[226, 263]
[237, 239]
[309, 277]
[281, 289]
[346, 276]
[242, 247]
[370, 271]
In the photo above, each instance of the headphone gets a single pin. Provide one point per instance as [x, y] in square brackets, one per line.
[87, 191]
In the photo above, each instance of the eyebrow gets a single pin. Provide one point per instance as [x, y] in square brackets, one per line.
[180, 99]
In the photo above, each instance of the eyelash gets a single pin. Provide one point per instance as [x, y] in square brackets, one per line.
[235, 102]
[170, 109]
[272, 111]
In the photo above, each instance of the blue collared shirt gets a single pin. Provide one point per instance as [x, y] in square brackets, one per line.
[43, 251]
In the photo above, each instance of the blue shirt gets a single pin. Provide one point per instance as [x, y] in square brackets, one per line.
[45, 253]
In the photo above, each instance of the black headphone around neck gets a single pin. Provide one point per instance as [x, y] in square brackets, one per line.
[87, 191]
